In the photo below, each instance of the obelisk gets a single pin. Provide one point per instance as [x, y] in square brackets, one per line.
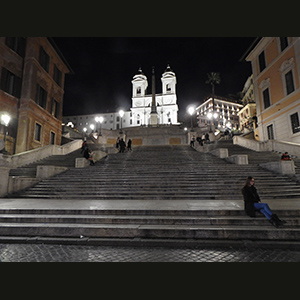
[153, 114]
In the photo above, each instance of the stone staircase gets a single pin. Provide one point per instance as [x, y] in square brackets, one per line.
[162, 172]
[156, 173]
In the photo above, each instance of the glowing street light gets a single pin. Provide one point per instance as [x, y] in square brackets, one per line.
[121, 113]
[191, 111]
[5, 119]
[99, 120]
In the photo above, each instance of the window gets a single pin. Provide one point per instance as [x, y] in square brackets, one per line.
[55, 108]
[52, 138]
[266, 98]
[17, 44]
[41, 97]
[138, 91]
[289, 82]
[168, 88]
[283, 43]
[295, 123]
[44, 59]
[37, 132]
[262, 61]
[57, 75]
[10, 83]
[270, 132]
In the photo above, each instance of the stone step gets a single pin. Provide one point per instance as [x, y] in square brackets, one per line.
[148, 231]
[143, 219]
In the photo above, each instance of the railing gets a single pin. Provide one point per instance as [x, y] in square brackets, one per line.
[270, 145]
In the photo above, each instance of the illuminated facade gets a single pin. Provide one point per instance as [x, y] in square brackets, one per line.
[224, 115]
[32, 76]
[276, 79]
[166, 103]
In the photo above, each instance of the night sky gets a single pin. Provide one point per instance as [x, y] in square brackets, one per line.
[104, 67]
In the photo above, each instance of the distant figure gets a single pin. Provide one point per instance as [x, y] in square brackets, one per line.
[122, 146]
[118, 143]
[88, 155]
[129, 145]
[203, 138]
[192, 143]
[207, 138]
[253, 203]
[226, 134]
[83, 146]
[199, 140]
[285, 156]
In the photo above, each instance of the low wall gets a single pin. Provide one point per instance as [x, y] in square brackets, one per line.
[25, 158]
[270, 145]
[8, 162]
[280, 167]
[238, 159]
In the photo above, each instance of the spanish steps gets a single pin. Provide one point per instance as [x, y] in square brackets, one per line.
[155, 173]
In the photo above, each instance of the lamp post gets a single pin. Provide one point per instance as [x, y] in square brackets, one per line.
[191, 111]
[84, 131]
[5, 118]
[99, 120]
[92, 126]
[121, 113]
[212, 116]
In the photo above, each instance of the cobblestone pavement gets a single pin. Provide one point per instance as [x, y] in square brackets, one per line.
[77, 253]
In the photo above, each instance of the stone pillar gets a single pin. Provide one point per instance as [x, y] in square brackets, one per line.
[5, 166]
[153, 114]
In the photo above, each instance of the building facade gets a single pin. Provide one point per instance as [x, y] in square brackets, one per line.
[221, 115]
[32, 76]
[247, 115]
[275, 65]
[166, 102]
[91, 122]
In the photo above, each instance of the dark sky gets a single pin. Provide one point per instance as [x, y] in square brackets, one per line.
[104, 68]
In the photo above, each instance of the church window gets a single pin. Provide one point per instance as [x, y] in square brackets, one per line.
[138, 90]
[168, 88]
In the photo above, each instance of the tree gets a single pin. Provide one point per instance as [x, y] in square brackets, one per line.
[213, 78]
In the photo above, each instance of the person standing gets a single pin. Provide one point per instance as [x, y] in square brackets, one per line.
[129, 145]
[253, 203]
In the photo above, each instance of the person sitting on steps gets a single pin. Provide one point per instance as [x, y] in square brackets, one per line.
[253, 203]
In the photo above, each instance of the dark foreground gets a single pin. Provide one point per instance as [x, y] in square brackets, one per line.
[78, 253]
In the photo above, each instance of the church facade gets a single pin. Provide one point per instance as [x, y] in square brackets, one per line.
[166, 102]
[166, 108]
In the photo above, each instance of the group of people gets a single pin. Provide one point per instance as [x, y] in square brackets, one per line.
[121, 145]
[201, 140]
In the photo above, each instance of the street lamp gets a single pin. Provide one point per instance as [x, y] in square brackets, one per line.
[121, 113]
[191, 111]
[99, 120]
[84, 131]
[212, 116]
